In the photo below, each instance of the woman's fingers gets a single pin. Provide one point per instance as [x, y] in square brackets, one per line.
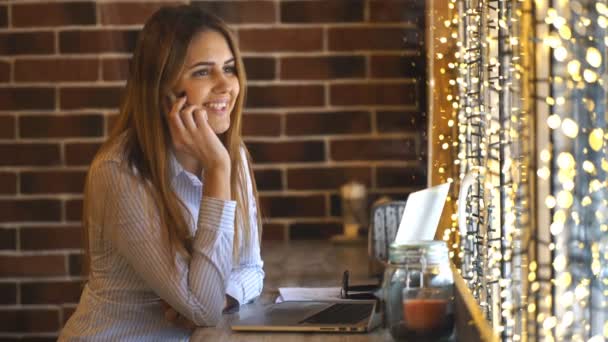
[176, 125]
[200, 117]
[187, 117]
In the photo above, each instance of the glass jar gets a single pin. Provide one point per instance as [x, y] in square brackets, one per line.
[418, 291]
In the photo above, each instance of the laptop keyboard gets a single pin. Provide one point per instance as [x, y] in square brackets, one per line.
[341, 313]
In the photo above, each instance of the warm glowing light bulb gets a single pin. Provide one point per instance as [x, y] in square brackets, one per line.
[589, 167]
[565, 160]
[554, 121]
[565, 199]
[570, 128]
[574, 69]
[550, 202]
[564, 32]
[560, 54]
[593, 57]
[590, 76]
[596, 139]
[545, 155]
[543, 173]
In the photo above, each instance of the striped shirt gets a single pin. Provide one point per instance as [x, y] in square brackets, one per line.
[132, 267]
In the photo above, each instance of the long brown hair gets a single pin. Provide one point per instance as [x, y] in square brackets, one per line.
[156, 65]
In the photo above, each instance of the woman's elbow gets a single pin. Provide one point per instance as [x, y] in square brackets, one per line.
[208, 318]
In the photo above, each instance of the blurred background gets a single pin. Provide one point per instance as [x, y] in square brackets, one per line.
[336, 94]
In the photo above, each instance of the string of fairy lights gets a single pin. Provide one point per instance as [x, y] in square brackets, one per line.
[514, 60]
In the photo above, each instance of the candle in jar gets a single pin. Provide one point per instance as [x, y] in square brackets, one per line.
[425, 314]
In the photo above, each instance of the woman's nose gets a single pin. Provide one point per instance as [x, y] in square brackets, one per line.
[222, 84]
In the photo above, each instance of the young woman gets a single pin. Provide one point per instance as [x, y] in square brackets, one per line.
[170, 206]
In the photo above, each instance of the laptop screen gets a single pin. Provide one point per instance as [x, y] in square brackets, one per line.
[422, 213]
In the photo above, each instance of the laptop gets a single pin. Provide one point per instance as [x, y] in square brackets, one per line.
[353, 316]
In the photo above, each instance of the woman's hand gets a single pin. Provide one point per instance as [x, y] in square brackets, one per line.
[192, 134]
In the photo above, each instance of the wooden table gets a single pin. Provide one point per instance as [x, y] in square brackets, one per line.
[306, 264]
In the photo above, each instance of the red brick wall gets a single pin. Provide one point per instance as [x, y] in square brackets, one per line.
[336, 93]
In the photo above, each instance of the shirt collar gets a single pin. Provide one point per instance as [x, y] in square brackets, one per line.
[176, 170]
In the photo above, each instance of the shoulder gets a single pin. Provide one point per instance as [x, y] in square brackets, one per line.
[111, 163]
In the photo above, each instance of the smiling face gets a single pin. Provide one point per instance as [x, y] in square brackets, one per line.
[209, 78]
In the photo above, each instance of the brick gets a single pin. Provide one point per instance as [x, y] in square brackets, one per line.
[76, 264]
[268, 125]
[73, 210]
[328, 123]
[400, 177]
[3, 16]
[129, 13]
[115, 69]
[8, 239]
[90, 97]
[373, 149]
[326, 178]
[314, 231]
[56, 70]
[53, 14]
[397, 66]
[29, 154]
[97, 41]
[7, 127]
[335, 205]
[52, 182]
[14, 210]
[400, 121]
[8, 293]
[56, 292]
[287, 152]
[8, 183]
[335, 11]
[64, 126]
[21, 98]
[285, 96]
[280, 39]
[322, 68]
[29, 320]
[372, 38]
[268, 179]
[5, 71]
[273, 232]
[259, 68]
[293, 206]
[399, 11]
[51, 238]
[30, 43]
[80, 153]
[373, 94]
[32, 266]
[245, 11]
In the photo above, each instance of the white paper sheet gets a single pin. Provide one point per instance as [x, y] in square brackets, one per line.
[422, 213]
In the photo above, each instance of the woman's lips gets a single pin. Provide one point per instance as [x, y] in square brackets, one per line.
[218, 108]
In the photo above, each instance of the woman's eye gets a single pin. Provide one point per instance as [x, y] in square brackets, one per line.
[202, 72]
[230, 69]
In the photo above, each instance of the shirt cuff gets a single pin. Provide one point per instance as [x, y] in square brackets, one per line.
[216, 214]
[235, 291]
